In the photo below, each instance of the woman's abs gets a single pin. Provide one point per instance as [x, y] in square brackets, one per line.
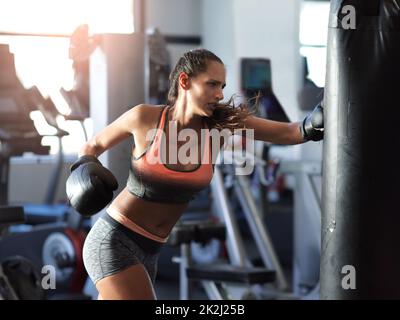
[156, 218]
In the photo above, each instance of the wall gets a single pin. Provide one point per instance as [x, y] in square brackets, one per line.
[267, 29]
[175, 17]
[218, 34]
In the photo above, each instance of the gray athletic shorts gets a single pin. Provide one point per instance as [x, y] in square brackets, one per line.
[110, 247]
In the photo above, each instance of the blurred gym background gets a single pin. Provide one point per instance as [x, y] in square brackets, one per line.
[53, 97]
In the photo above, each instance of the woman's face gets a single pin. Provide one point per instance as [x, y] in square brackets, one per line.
[206, 89]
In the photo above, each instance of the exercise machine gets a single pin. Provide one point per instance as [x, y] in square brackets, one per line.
[57, 238]
[19, 278]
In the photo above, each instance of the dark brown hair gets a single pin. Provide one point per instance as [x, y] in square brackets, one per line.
[226, 114]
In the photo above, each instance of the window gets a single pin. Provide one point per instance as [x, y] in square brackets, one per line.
[42, 60]
[314, 20]
[63, 16]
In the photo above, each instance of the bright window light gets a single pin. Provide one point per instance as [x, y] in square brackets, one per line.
[316, 60]
[44, 62]
[314, 19]
[63, 16]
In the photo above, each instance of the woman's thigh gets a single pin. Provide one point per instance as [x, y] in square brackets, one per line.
[132, 283]
[118, 263]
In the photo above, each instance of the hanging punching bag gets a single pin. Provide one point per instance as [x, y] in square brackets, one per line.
[361, 176]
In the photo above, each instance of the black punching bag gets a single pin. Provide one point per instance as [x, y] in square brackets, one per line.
[361, 164]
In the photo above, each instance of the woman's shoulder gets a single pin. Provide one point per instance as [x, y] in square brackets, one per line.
[147, 109]
[145, 112]
[145, 115]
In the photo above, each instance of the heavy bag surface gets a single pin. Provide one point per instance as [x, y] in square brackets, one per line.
[361, 179]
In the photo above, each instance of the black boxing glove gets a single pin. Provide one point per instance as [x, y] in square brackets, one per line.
[90, 186]
[312, 127]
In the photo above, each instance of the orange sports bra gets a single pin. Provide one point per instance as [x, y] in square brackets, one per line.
[151, 179]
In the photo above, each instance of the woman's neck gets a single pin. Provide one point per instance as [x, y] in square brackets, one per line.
[183, 116]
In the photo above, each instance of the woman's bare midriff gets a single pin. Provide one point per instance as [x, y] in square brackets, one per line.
[156, 218]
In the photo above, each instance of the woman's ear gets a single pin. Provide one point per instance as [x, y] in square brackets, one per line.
[184, 81]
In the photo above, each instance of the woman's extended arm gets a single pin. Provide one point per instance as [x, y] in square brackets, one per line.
[274, 131]
[115, 132]
[311, 128]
